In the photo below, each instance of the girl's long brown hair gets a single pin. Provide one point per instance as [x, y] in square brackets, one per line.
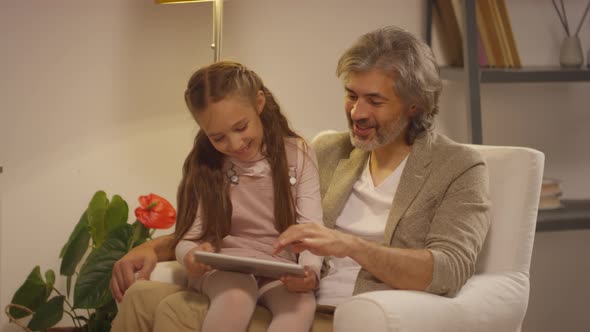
[204, 187]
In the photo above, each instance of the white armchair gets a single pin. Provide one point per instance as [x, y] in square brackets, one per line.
[495, 299]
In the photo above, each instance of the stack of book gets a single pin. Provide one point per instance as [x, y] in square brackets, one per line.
[495, 39]
[550, 194]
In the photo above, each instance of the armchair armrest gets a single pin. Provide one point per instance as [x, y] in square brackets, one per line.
[487, 302]
[170, 272]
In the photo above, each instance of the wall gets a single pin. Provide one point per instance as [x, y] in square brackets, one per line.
[91, 98]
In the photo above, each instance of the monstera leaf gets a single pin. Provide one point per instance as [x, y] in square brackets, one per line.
[77, 245]
[97, 209]
[48, 314]
[32, 294]
[92, 285]
[116, 214]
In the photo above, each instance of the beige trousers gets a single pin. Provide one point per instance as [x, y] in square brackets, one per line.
[161, 307]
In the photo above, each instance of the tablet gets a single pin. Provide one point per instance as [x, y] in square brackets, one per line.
[258, 267]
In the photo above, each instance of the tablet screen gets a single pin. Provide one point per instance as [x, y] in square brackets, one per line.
[258, 267]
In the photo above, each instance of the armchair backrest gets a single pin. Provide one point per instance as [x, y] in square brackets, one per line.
[515, 176]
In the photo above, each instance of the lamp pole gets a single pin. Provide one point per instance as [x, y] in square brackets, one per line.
[217, 28]
[217, 22]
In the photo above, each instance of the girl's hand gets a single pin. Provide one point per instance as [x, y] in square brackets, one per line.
[193, 267]
[307, 283]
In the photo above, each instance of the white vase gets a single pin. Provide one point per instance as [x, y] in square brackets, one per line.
[571, 52]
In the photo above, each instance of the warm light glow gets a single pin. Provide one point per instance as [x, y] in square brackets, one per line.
[168, 2]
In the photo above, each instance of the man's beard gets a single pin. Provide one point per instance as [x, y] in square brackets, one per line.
[383, 135]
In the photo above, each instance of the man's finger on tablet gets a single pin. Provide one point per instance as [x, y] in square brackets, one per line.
[277, 248]
[285, 240]
[293, 233]
[297, 247]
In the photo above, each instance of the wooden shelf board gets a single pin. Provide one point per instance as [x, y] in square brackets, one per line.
[521, 75]
[575, 214]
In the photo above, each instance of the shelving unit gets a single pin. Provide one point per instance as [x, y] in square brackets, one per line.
[576, 213]
[472, 75]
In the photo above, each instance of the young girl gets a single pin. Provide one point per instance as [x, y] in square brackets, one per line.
[247, 178]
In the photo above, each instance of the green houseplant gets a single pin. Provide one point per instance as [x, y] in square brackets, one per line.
[100, 238]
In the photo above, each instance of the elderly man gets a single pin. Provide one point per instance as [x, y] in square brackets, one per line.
[404, 207]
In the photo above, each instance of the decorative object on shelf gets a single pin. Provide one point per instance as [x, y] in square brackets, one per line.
[550, 194]
[570, 54]
[571, 49]
[104, 232]
[217, 22]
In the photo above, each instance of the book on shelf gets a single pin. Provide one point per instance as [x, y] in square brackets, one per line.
[447, 23]
[482, 58]
[458, 8]
[459, 13]
[505, 19]
[551, 193]
[495, 39]
[501, 33]
[489, 24]
[550, 203]
[485, 37]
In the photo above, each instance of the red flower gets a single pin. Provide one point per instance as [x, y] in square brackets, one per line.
[155, 212]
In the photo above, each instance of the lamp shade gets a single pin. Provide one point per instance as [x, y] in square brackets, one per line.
[164, 2]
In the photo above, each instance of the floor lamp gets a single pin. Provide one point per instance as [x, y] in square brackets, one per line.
[217, 22]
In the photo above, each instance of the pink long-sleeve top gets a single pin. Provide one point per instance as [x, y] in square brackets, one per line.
[253, 231]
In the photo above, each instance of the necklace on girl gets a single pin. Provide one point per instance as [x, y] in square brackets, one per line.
[234, 177]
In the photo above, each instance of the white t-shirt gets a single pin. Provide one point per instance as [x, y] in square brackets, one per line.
[364, 215]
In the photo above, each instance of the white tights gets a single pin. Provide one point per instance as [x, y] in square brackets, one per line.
[233, 297]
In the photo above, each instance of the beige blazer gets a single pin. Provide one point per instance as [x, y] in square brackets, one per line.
[442, 204]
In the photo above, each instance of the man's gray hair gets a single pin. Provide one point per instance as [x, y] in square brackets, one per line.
[409, 61]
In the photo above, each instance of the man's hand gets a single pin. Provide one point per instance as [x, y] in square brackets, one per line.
[195, 268]
[319, 240]
[141, 260]
[307, 283]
